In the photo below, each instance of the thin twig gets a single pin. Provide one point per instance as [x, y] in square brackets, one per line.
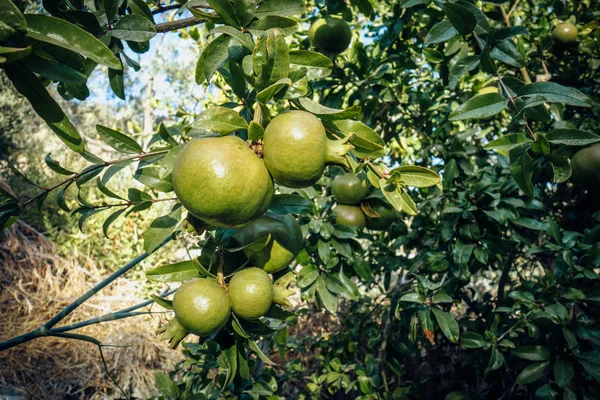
[175, 25]
[512, 9]
[46, 329]
[506, 18]
[162, 9]
[76, 176]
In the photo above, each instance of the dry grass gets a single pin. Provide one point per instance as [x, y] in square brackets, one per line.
[35, 284]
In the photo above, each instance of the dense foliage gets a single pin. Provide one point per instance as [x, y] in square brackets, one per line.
[485, 286]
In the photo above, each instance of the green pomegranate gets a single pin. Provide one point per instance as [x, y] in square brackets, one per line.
[387, 215]
[274, 241]
[330, 34]
[348, 189]
[296, 149]
[201, 307]
[349, 215]
[221, 181]
[586, 166]
[565, 33]
[251, 293]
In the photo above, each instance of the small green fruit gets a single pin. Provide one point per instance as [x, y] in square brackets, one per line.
[565, 33]
[387, 215]
[201, 306]
[348, 189]
[251, 293]
[349, 215]
[221, 181]
[283, 238]
[296, 149]
[586, 166]
[331, 34]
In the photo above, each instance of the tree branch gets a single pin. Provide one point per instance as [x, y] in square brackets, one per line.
[504, 277]
[162, 9]
[73, 178]
[506, 16]
[175, 25]
[46, 329]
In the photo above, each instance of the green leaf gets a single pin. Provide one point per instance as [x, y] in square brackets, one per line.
[56, 167]
[521, 169]
[415, 176]
[12, 54]
[166, 386]
[433, 56]
[178, 272]
[44, 105]
[508, 142]
[212, 58]
[326, 113]
[140, 7]
[154, 178]
[533, 353]
[282, 8]
[572, 137]
[270, 59]
[116, 79]
[255, 131]
[51, 69]
[118, 140]
[290, 204]
[167, 304]
[413, 298]
[11, 17]
[328, 299]
[111, 218]
[462, 252]
[267, 94]
[482, 106]
[317, 65]
[219, 119]
[507, 33]
[63, 34]
[308, 275]
[447, 324]
[496, 361]
[398, 197]
[462, 66]
[560, 166]
[225, 10]
[134, 28]
[245, 39]
[161, 228]
[287, 25]
[252, 344]
[88, 174]
[533, 372]
[555, 93]
[472, 340]
[440, 32]
[440, 298]
[508, 53]
[106, 190]
[110, 7]
[462, 19]
[367, 143]
[563, 372]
